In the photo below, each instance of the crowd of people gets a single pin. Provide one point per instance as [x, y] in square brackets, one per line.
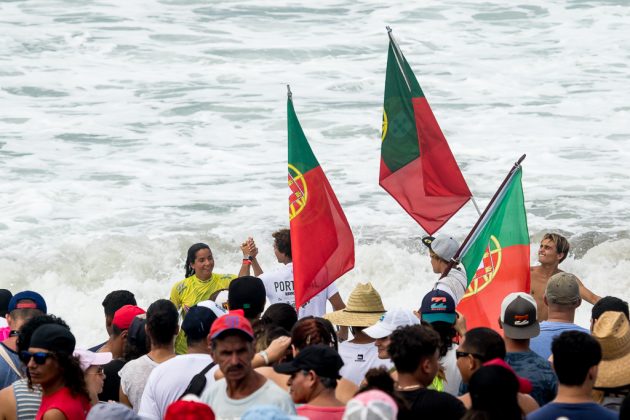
[236, 347]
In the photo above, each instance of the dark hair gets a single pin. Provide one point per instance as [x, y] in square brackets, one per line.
[328, 383]
[162, 321]
[310, 330]
[27, 330]
[447, 332]
[485, 343]
[609, 303]
[137, 343]
[25, 313]
[192, 254]
[72, 374]
[380, 379]
[624, 410]
[562, 245]
[278, 315]
[410, 344]
[574, 353]
[493, 391]
[282, 241]
[5, 299]
[116, 300]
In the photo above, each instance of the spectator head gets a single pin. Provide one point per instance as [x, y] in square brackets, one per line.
[49, 359]
[443, 247]
[267, 412]
[438, 309]
[563, 293]
[112, 410]
[363, 309]
[388, 323]
[559, 243]
[92, 366]
[5, 298]
[27, 330]
[315, 370]
[310, 331]
[24, 306]
[608, 303]
[232, 344]
[612, 331]
[518, 316]
[199, 261]
[414, 349]
[113, 302]
[372, 404]
[137, 343]
[196, 325]
[282, 245]
[493, 391]
[162, 323]
[120, 327]
[478, 346]
[189, 410]
[575, 358]
[247, 293]
[280, 315]
[220, 297]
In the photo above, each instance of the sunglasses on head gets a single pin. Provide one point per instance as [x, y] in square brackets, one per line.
[39, 357]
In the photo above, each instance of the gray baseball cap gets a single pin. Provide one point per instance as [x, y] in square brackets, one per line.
[563, 289]
[443, 245]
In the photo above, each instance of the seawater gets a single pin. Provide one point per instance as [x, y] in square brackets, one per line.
[130, 130]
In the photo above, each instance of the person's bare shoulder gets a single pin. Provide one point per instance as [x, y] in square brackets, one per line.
[54, 414]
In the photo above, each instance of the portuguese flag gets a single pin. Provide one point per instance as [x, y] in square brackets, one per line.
[417, 166]
[496, 256]
[322, 245]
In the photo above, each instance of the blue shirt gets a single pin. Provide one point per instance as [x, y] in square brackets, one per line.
[531, 366]
[577, 411]
[7, 374]
[548, 331]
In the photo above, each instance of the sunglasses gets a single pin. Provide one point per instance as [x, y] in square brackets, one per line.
[39, 357]
[99, 371]
[460, 354]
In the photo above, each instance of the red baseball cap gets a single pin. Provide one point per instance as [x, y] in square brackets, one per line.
[524, 385]
[233, 320]
[125, 315]
[189, 410]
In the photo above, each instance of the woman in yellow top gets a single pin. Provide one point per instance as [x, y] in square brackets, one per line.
[200, 282]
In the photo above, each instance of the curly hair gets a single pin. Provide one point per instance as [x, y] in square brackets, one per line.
[310, 330]
[71, 373]
[410, 344]
[282, 241]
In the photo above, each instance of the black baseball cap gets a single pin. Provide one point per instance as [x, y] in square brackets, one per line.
[518, 316]
[197, 322]
[247, 293]
[324, 360]
[5, 298]
[53, 337]
[438, 305]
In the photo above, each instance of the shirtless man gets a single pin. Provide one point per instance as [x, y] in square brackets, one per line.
[554, 248]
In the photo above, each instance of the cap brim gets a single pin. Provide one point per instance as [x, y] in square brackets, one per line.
[244, 333]
[521, 333]
[378, 330]
[426, 241]
[443, 317]
[287, 368]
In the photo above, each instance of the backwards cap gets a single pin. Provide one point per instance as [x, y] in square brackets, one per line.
[38, 301]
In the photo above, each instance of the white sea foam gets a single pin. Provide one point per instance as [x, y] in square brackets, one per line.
[130, 130]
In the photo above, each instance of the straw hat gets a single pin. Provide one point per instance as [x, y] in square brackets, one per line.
[612, 331]
[364, 308]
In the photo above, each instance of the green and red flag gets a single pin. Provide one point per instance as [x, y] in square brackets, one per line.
[496, 255]
[322, 245]
[417, 166]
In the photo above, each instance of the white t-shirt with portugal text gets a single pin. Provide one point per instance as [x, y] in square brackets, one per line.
[279, 289]
[358, 359]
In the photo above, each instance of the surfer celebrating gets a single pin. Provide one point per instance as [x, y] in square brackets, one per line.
[554, 248]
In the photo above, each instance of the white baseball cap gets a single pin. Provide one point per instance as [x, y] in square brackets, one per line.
[390, 321]
[213, 306]
[89, 358]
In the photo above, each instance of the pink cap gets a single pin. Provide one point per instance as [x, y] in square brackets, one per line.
[89, 358]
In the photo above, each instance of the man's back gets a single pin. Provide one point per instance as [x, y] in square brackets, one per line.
[225, 407]
[541, 345]
[169, 380]
[430, 404]
[573, 411]
[538, 371]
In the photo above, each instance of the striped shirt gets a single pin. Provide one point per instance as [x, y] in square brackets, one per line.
[27, 401]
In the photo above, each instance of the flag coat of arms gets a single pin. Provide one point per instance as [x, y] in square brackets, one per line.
[322, 245]
[496, 257]
[417, 166]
